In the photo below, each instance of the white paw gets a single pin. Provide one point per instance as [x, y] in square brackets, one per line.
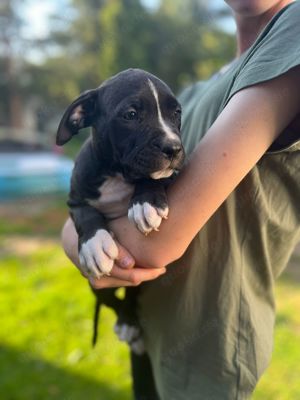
[98, 254]
[147, 217]
[138, 346]
[127, 333]
[132, 336]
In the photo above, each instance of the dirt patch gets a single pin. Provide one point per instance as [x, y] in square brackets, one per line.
[31, 206]
[23, 246]
[33, 217]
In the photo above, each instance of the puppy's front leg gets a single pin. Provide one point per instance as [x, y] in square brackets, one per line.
[96, 247]
[148, 206]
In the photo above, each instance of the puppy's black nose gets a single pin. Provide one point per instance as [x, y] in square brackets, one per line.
[171, 151]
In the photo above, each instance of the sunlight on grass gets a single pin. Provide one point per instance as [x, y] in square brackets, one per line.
[281, 381]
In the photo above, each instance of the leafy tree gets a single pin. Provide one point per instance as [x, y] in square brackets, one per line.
[107, 36]
[11, 84]
[95, 39]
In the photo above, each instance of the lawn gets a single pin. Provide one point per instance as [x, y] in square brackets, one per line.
[46, 320]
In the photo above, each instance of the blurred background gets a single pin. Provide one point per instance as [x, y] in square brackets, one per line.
[51, 51]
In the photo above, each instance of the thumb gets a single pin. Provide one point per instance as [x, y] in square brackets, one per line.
[124, 259]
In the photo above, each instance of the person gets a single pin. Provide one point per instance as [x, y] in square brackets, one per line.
[234, 218]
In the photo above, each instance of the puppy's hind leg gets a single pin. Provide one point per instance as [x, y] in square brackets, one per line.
[127, 327]
[108, 298]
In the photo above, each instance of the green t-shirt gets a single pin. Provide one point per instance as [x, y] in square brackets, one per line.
[209, 321]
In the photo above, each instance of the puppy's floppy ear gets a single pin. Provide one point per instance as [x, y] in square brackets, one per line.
[78, 115]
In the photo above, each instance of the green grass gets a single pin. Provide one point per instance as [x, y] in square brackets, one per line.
[46, 322]
[281, 381]
[45, 352]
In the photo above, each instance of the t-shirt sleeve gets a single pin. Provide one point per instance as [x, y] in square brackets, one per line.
[276, 51]
[188, 92]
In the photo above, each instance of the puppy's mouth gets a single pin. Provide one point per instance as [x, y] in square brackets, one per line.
[164, 173]
[153, 167]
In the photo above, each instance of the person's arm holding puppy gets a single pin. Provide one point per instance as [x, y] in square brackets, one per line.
[251, 121]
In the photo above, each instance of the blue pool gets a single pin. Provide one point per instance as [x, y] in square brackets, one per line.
[36, 173]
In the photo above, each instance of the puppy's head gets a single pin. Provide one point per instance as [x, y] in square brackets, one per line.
[136, 117]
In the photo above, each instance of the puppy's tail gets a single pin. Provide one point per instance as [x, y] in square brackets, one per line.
[96, 320]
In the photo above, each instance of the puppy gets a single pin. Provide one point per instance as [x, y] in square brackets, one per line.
[122, 168]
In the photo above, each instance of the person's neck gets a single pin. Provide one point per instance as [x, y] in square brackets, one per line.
[249, 28]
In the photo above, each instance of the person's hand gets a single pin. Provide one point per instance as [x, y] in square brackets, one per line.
[123, 273]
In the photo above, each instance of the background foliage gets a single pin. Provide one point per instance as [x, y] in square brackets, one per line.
[90, 40]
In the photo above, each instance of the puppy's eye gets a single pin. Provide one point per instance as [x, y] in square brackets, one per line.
[177, 112]
[131, 114]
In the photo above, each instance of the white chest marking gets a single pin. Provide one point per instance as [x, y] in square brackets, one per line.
[115, 195]
[168, 131]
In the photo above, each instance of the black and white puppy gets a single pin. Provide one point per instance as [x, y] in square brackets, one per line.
[121, 169]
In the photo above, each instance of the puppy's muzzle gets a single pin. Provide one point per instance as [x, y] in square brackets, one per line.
[171, 151]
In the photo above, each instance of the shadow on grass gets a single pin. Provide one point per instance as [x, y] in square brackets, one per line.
[38, 379]
[291, 274]
[282, 319]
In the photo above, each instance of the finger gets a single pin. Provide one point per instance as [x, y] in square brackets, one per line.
[124, 259]
[137, 275]
[108, 282]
